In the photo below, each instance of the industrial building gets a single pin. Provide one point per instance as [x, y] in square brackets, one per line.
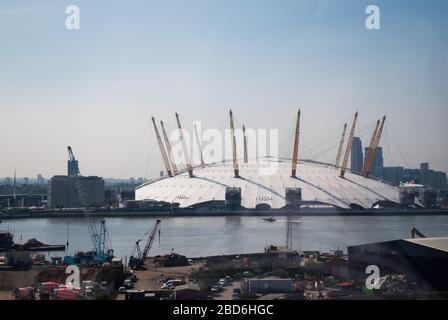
[294, 183]
[74, 190]
[423, 260]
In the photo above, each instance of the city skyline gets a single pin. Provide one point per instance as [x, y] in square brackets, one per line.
[96, 88]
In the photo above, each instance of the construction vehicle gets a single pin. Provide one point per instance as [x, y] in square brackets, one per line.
[138, 261]
[102, 251]
[416, 233]
[26, 293]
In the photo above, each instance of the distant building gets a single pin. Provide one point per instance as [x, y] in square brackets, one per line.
[62, 193]
[394, 175]
[411, 175]
[75, 192]
[378, 161]
[91, 191]
[431, 178]
[356, 155]
[40, 179]
[26, 180]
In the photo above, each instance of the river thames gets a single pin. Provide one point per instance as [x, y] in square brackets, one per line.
[204, 236]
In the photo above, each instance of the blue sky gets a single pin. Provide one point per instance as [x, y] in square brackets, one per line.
[96, 88]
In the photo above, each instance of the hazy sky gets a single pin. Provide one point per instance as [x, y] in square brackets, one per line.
[96, 88]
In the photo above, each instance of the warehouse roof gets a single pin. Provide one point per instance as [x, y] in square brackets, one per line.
[440, 243]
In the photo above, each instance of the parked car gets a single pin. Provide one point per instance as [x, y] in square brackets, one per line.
[167, 286]
[237, 290]
[216, 289]
[128, 284]
[122, 289]
[248, 274]
[222, 281]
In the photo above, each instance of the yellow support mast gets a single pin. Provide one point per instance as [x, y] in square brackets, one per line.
[168, 148]
[295, 148]
[162, 149]
[368, 158]
[341, 146]
[375, 146]
[349, 146]
[198, 141]
[234, 155]
[184, 148]
[245, 144]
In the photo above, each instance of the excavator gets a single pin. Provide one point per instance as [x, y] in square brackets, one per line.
[138, 261]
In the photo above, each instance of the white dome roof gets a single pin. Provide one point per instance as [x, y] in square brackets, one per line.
[319, 183]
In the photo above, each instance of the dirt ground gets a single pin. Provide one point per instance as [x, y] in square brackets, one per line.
[151, 278]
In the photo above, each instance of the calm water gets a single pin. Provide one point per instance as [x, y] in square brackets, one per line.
[201, 236]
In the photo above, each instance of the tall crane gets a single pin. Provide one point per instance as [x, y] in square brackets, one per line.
[349, 146]
[168, 148]
[184, 148]
[374, 147]
[295, 148]
[368, 156]
[137, 262]
[71, 156]
[245, 144]
[198, 141]
[341, 146]
[234, 155]
[72, 164]
[162, 149]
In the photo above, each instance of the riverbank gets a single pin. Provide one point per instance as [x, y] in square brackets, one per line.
[189, 212]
